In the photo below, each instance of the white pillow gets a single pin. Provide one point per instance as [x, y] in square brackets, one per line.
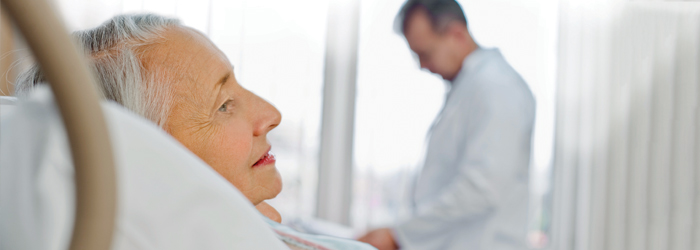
[7, 104]
[167, 197]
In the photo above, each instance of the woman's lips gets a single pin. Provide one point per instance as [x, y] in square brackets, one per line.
[266, 159]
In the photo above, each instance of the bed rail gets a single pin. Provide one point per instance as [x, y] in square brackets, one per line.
[78, 102]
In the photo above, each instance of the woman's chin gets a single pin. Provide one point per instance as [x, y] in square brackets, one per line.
[276, 185]
[272, 186]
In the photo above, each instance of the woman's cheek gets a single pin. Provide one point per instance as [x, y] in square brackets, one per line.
[235, 148]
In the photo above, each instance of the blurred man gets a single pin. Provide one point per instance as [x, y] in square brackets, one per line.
[472, 192]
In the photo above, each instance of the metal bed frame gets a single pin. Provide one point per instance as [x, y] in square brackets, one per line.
[78, 101]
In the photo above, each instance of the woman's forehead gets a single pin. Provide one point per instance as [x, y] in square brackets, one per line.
[187, 46]
[188, 53]
[193, 64]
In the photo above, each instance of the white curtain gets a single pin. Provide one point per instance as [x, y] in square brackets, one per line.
[627, 150]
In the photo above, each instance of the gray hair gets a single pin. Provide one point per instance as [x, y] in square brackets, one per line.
[114, 49]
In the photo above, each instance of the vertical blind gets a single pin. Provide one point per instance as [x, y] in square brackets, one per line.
[627, 158]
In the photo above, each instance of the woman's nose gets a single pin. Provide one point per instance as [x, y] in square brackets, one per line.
[267, 117]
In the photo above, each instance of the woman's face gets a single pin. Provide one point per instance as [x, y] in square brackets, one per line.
[217, 119]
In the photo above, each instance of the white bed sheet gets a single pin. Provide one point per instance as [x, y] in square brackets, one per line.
[167, 197]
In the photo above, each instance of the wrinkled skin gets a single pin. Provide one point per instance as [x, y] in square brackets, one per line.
[214, 116]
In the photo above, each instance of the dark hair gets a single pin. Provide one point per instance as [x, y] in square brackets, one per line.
[440, 12]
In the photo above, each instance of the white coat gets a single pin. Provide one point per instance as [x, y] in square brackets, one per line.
[472, 192]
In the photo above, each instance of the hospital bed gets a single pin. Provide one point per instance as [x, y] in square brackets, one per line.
[78, 173]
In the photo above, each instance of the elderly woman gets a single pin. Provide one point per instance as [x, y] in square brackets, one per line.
[174, 76]
[177, 78]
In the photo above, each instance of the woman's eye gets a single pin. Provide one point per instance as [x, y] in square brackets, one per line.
[224, 107]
